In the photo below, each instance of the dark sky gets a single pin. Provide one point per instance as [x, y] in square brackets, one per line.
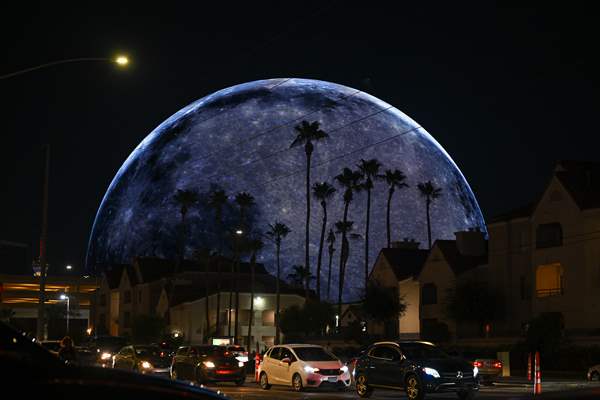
[506, 91]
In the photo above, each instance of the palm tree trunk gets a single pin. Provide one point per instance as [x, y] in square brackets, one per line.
[321, 242]
[218, 277]
[367, 238]
[237, 299]
[207, 310]
[306, 244]
[251, 319]
[342, 266]
[389, 204]
[231, 286]
[427, 203]
[277, 305]
[179, 267]
[329, 276]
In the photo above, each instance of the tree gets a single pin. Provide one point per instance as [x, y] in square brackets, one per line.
[331, 250]
[245, 201]
[217, 199]
[254, 246]
[395, 180]
[350, 181]
[301, 277]
[277, 232]
[369, 170]
[322, 191]
[306, 134]
[343, 227]
[473, 301]
[429, 192]
[383, 304]
[147, 329]
[309, 319]
[184, 199]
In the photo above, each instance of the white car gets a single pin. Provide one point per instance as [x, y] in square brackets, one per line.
[301, 366]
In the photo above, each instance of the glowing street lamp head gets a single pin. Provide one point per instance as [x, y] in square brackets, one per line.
[122, 60]
[69, 267]
[239, 232]
[64, 297]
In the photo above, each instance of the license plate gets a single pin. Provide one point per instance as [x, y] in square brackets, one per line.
[332, 379]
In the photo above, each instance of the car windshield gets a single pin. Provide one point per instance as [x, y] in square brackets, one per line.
[149, 351]
[314, 354]
[422, 351]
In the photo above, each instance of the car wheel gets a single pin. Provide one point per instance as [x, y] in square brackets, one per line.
[362, 387]
[241, 381]
[264, 381]
[414, 388]
[297, 383]
[466, 394]
[595, 376]
[199, 377]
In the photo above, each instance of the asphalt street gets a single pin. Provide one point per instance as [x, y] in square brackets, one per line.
[251, 391]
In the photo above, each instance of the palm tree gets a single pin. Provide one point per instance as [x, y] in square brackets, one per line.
[369, 170]
[430, 193]
[245, 201]
[184, 199]
[394, 179]
[322, 192]
[217, 199]
[307, 133]
[331, 250]
[255, 245]
[277, 232]
[301, 277]
[343, 227]
[350, 181]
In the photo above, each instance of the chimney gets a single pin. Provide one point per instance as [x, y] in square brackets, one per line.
[406, 244]
[471, 242]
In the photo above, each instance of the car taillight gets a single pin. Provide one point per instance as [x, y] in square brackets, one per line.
[478, 364]
[498, 364]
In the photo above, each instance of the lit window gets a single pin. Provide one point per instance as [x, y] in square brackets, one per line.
[548, 280]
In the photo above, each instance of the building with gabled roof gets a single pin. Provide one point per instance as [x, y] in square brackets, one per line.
[546, 258]
[398, 267]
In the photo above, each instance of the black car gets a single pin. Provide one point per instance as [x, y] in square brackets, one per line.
[207, 364]
[416, 367]
[143, 359]
[31, 371]
[105, 347]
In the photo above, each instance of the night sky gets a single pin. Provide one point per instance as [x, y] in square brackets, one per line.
[506, 91]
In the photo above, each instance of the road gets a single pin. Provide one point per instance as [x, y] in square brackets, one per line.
[251, 391]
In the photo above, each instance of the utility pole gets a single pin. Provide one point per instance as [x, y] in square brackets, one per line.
[42, 324]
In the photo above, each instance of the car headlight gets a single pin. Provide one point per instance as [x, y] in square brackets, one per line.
[209, 364]
[146, 365]
[432, 372]
[105, 356]
[475, 371]
[344, 369]
[240, 364]
[310, 369]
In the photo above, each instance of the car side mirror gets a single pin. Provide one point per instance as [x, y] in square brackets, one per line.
[287, 360]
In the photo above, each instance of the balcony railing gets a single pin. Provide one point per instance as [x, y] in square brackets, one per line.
[549, 292]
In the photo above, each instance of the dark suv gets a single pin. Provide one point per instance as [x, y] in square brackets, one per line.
[207, 364]
[417, 368]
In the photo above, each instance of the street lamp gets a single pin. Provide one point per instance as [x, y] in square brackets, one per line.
[65, 297]
[69, 267]
[119, 60]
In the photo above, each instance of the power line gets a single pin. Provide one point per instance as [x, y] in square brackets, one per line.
[286, 149]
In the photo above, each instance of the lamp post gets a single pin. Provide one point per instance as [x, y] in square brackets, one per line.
[42, 328]
[65, 297]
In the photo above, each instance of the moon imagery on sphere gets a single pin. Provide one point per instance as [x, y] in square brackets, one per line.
[239, 138]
